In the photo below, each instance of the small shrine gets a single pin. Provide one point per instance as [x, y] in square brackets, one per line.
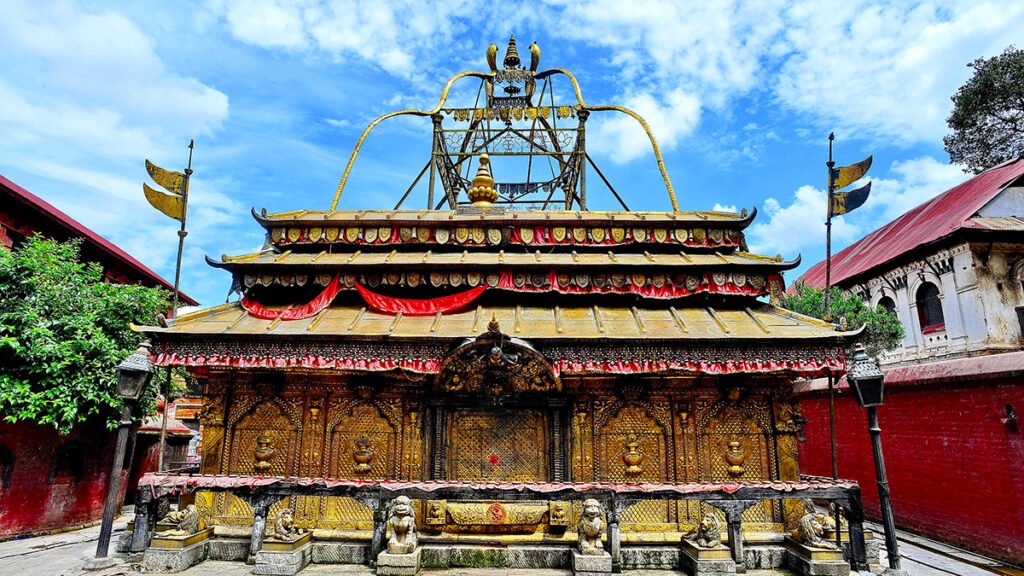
[503, 377]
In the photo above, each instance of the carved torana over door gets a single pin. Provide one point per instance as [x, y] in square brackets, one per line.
[498, 445]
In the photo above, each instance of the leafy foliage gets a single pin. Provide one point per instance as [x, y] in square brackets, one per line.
[988, 113]
[63, 331]
[883, 333]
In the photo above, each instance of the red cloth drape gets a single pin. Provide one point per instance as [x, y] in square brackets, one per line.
[419, 307]
[307, 310]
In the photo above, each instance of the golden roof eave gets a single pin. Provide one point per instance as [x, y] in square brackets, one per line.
[757, 322]
[511, 217]
[426, 258]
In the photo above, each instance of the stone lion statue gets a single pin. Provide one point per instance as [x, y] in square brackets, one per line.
[590, 527]
[186, 522]
[285, 529]
[708, 533]
[401, 526]
[810, 530]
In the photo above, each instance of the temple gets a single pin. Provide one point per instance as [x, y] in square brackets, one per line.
[508, 360]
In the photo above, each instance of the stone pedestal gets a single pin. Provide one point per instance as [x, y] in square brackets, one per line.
[176, 553]
[814, 561]
[399, 564]
[284, 558]
[699, 561]
[591, 564]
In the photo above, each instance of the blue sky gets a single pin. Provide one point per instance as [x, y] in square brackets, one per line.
[741, 96]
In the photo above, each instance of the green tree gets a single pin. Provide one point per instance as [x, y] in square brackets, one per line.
[883, 332]
[988, 113]
[63, 331]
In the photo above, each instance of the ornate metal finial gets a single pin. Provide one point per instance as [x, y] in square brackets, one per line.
[492, 57]
[511, 54]
[493, 326]
[534, 57]
[483, 193]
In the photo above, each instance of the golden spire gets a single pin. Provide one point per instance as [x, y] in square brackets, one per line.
[483, 193]
[512, 53]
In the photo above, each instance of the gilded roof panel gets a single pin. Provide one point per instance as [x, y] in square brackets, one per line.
[760, 321]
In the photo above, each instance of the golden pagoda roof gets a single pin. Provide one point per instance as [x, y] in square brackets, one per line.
[759, 321]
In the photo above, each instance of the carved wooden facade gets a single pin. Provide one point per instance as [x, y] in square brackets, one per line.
[580, 432]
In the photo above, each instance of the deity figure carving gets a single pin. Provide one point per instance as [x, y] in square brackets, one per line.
[186, 522]
[632, 457]
[401, 526]
[285, 529]
[708, 533]
[435, 512]
[811, 528]
[263, 453]
[590, 528]
[557, 515]
[363, 455]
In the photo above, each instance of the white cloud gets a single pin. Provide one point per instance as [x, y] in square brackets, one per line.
[887, 71]
[798, 227]
[622, 139]
[724, 208]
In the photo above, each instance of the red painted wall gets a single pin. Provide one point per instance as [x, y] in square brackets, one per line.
[956, 472]
[31, 503]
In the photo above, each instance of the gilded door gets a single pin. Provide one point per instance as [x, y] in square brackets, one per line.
[633, 426]
[498, 445]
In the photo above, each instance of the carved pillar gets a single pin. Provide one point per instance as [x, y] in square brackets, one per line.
[615, 509]
[855, 520]
[260, 507]
[734, 510]
[374, 501]
[144, 508]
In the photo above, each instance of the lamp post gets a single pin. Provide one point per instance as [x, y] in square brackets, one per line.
[868, 381]
[132, 376]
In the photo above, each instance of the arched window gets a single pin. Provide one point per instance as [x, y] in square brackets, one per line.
[929, 308]
[888, 304]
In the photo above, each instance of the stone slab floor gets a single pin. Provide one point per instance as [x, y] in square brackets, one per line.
[63, 555]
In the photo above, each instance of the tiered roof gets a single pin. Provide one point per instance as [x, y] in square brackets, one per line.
[592, 292]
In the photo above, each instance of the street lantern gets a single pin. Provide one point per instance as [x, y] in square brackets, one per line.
[868, 381]
[134, 373]
[132, 377]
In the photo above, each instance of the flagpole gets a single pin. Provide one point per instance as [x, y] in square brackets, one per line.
[174, 306]
[828, 313]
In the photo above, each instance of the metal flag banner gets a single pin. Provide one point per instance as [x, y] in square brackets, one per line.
[173, 204]
[845, 175]
[845, 202]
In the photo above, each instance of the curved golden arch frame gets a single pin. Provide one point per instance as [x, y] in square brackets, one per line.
[487, 76]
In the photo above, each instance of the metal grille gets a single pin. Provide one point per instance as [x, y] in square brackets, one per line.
[498, 446]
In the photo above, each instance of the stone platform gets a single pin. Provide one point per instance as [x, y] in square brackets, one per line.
[697, 561]
[399, 564]
[591, 564]
[176, 553]
[284, 558]
[814, 561]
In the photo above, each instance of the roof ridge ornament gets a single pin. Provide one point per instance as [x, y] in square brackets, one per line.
[482, 193]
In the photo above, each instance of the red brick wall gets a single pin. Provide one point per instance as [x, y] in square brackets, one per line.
[955, 470]
[31, 503]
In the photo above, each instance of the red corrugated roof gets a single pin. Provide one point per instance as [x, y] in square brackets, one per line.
[935, 219]
[76, 228]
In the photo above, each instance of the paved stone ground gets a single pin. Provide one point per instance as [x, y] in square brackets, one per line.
[64, 554]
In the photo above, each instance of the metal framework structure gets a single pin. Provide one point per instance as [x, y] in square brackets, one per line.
[515, 114]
